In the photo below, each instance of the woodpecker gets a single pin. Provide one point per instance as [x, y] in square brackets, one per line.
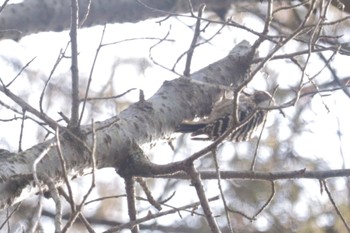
[221, 118]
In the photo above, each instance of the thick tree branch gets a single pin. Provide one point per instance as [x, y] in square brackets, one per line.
[33, 16]
[142, 122]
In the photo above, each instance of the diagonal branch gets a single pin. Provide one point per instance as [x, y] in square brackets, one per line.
[141, 123]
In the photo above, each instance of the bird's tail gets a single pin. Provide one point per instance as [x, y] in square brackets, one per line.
[190, 127]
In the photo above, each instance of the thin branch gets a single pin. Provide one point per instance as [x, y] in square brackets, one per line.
[20, 118]
[253, 218]
[8, 216]
[138, 38]
[261, 132]
[255, 175]
[77, 213]
[93, 178]
[90, 76]
[289, 7]
[204, 41]
[197, 183]
[109, 97]
[38, 210]
[21, 131]
[20, 72]
[295, 54]
[86, 14]
[151, 216]
[53, 124]
[334, 74]
[273, 191]
[197, 31]
[301, 29]
[155, 45]
[58, 60]
[130, 195]
[268, 20]
[222, 191]
[56, 198]
[64, 170]
[74, 120]
[233, 126]
[3, 5]
[148, 193]
[324, 184]
[144, 199]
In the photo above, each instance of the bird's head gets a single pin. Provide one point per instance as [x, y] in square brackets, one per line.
[262, 98]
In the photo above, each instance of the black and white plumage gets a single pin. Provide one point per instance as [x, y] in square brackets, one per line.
[221, 118]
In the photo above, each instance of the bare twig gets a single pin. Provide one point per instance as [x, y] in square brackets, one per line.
[91, 72]
[268, 20]
[261, 132]
[77, 209]
[20, 72]
[222, 192]
[157, 215]
[53, 124]
[204, 41]
[155, 45]
[197, 31]
[324, 184]
[109, 97]
[75, 214]
[22, 129]
[255, 175]
[138, 38]
[93, 178]
[8, 216]
[58, 60]
[297, 53]
[197, 183]
[74, 120]
[56, 198]
[86, 14]
[334, 74]
[273, 191]
[148, 193]
[64, 171]
[3, 5]
[38, 210]
[130, 192]
[253, 218]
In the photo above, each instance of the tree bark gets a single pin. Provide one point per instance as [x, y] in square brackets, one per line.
[33, 16]
[142, 122]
